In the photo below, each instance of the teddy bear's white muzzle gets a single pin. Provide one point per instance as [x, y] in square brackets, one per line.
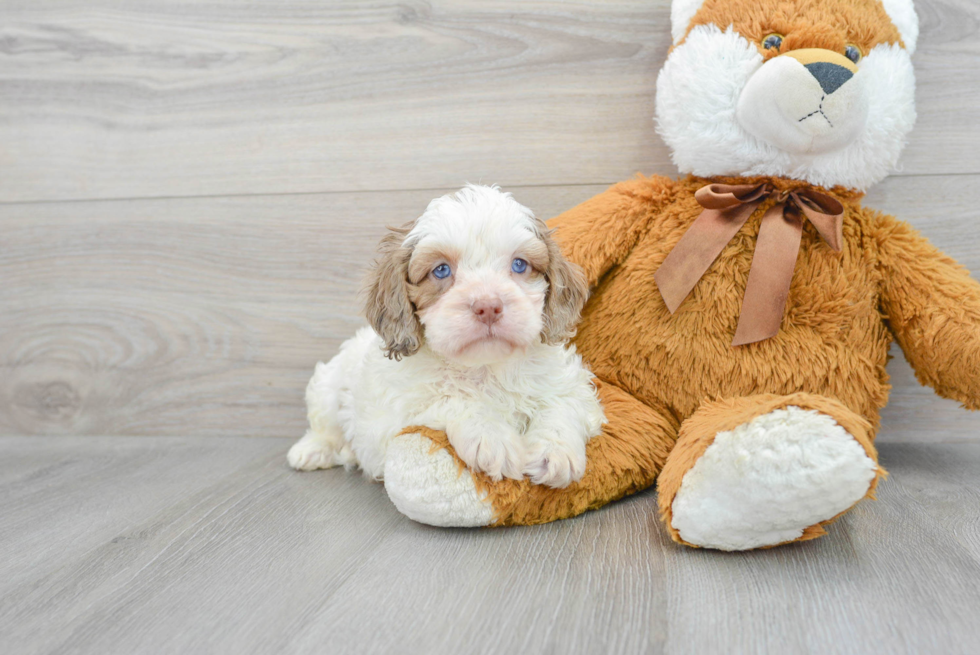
[804, 102]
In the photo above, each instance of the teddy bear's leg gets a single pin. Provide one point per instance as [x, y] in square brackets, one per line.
[428, 483]
[765, 470]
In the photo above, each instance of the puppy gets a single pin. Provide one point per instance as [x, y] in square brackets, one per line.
[470, 306]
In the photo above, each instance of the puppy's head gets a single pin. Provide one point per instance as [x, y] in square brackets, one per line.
[477, 276]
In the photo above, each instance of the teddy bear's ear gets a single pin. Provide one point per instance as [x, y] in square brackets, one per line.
[903, 17]
[681, 13]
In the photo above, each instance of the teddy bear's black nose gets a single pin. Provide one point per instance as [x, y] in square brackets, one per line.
[830, 76]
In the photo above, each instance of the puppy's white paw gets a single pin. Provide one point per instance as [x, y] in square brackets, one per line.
[309, 456]
[495, 449]
[315, 451]
[555, 464]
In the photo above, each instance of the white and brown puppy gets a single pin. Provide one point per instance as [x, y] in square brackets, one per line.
[471, 305]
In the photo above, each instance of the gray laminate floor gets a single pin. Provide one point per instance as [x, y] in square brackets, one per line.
[188, 545]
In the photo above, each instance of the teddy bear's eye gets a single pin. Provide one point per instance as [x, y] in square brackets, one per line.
[852, 52]
[772, 41]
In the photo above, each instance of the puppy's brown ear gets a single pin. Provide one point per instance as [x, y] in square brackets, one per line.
[388, 307]
[567, 292]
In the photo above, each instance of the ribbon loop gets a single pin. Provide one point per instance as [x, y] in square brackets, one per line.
[726, 209]
[724, 196]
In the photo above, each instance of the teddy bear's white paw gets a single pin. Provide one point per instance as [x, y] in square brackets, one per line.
[428, 487]
[319, 451]
[554, 463]
[767, 480]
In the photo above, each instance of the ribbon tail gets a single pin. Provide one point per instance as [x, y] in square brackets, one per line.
[826, 214]
[770, 275]
[697, 250]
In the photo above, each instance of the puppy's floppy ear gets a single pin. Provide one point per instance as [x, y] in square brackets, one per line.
[388, 307]
[567, 291]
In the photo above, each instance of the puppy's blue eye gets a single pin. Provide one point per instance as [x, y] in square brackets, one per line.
[442, 271]
[518, 265]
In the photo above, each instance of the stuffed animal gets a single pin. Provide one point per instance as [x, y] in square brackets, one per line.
[740, 317]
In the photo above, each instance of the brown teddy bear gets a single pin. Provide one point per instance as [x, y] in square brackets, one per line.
[740, 318]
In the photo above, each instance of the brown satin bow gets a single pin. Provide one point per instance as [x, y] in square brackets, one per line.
[726, 209]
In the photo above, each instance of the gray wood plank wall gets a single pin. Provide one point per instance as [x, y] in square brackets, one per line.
[190, 192]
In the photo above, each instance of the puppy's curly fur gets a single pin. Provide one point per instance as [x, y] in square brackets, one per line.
[470, 306]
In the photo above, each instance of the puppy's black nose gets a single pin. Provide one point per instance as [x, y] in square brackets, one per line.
[830, 76]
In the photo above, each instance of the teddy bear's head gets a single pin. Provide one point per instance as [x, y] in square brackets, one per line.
[817, 90]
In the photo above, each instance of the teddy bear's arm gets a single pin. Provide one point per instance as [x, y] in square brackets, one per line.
[933, 307]
[600, 232]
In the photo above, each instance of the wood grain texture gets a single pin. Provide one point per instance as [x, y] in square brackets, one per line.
[249, 557]
[154, 98]
[205, 316]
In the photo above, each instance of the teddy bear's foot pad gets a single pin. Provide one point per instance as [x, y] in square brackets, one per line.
[427, 486]
[769, 479]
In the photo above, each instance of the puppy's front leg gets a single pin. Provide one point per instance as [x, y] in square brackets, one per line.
[555, 449]
[487, 443]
